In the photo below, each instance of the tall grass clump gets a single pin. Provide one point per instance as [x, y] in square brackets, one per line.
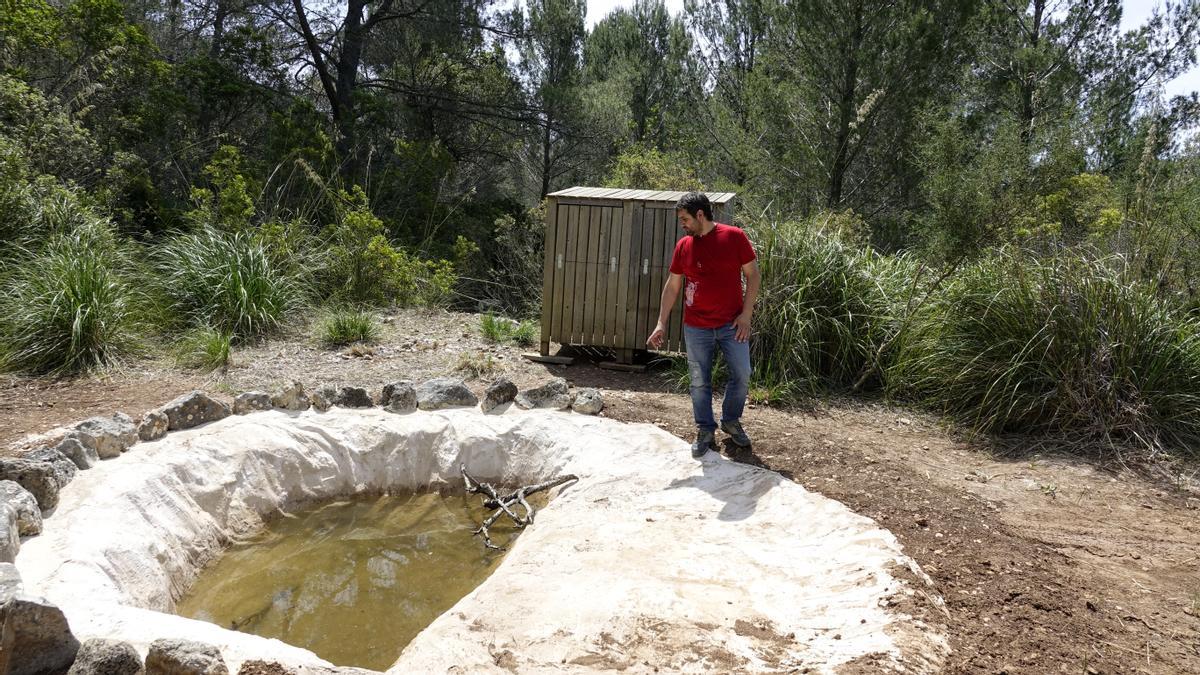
[342, 327]
[1065, 345]
[494, 328]
[228, 281]
[205, 349]
[72, 305]
[828, 304]
[499, 329]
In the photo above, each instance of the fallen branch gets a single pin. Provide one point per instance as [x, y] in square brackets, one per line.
[502, 504]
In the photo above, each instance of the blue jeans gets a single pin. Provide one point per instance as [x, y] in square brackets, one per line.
[701, 346]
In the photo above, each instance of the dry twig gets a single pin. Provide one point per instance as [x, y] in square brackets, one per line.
[502, 504]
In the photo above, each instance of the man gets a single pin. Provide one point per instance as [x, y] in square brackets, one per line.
[708, 265]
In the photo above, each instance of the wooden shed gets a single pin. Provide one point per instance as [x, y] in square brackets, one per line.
[608, 254]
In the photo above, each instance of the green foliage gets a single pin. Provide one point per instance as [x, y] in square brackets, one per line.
[525, 334]
[344, 326]
[645, 54]
[640, 167]
[499, 329]
[828, 303]
[494, 329]
[129, 195]
[72, 306]
[27, 23]
[507, 273]
[34, 209]
[1084, 208]
[1064, 345]
[229, 281]
[204, 348]
[229, 204]
[365, 267]
[43, 132]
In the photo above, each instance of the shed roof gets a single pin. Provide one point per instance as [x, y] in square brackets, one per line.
[636, 195]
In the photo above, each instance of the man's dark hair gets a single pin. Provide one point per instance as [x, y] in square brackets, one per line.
[695, 202]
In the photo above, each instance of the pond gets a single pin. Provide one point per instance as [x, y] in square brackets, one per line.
[352, 580]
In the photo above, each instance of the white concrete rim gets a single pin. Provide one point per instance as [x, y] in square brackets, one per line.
[624, 569]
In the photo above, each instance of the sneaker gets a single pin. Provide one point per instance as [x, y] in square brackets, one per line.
[736, 433]
[705, 441]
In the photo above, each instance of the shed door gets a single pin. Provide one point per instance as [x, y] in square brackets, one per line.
[653, 234]
[584, 252]
[606, 266]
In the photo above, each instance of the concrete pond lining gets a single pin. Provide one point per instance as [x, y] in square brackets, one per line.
[651, 560]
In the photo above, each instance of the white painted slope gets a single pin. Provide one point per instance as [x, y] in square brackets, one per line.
[651, 560]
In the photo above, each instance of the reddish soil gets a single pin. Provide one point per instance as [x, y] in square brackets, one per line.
[1046, 564]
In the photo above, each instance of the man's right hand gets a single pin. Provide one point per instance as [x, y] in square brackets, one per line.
[656, 338]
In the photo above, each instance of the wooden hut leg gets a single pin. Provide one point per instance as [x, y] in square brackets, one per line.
[545, 349]
[625, 356]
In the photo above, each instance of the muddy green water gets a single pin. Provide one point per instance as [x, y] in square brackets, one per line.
[353, 581]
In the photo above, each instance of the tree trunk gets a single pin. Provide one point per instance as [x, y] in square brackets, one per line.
[349, 59]
[546, 156]
[1028, 114]
[841, 157]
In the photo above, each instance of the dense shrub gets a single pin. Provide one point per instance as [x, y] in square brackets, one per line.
[35, 207]
[228, 281]
[1066, 344]
[365, 267]
[828, 304]
[45, 132]
[72, 305]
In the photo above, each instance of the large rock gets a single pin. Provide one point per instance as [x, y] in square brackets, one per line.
[588, 402]
[73, 449]
[41, 640]
[444, 392]
[194, 409]
[64, 468]
[322, 398]
[399, 397]
[106, 657]
[352, 397]
[555, 394]
[184, 657]
[10, 537]
[500, 392]
[29, 516]
[41, 479]
[250, 401]
[292, 398]
[108, 436]
[154, 425]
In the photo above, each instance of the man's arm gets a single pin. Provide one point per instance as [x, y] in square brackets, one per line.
[753, 280]
[670, 294]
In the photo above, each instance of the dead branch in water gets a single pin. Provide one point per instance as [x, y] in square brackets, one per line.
[502, 504]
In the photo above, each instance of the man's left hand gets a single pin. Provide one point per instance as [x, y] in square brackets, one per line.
[742, 326]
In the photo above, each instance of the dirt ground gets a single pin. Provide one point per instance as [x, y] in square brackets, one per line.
[1047, 564]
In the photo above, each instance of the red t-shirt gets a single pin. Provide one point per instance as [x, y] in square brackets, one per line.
[712, 270]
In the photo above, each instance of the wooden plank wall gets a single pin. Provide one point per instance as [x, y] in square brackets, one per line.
[605, 266]
[549, 273]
